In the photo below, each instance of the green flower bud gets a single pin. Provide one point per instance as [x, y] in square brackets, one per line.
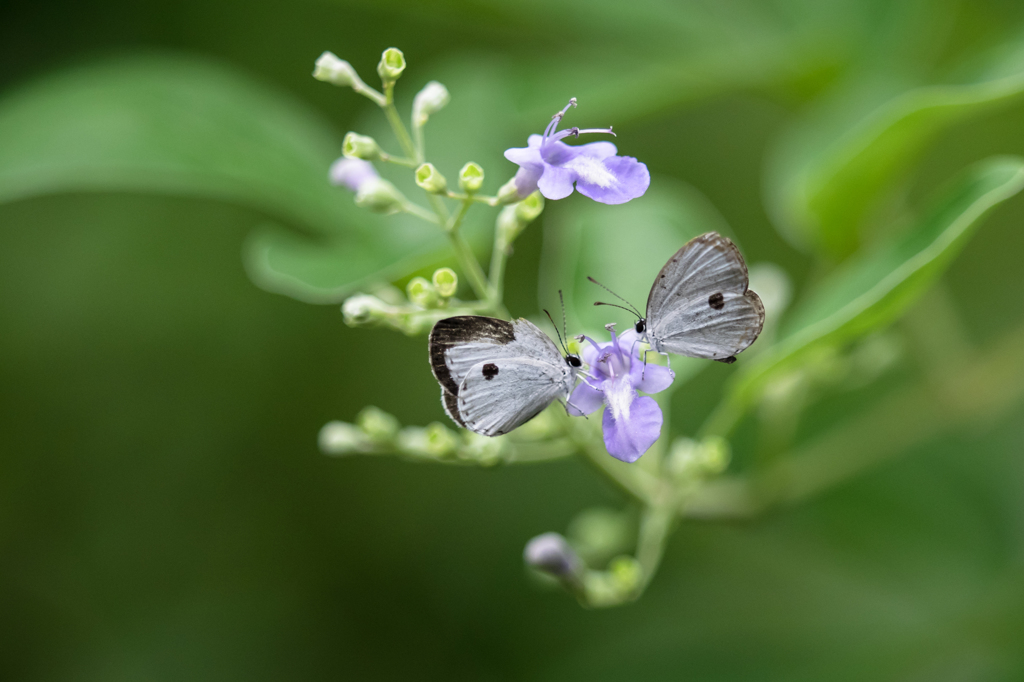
[509, 225]
[529, 208]
[379, 196]
[358, 146]
[717, 454]
[446, 282]
[421, 292]
[378, 425]
[471, 177]
[430, 179]
[428, 101]
[690, 459]
[508, 193]
[626, 573]
[330, 69]
[441, 441]
[364, 309]
[339, 438]
[392, 64]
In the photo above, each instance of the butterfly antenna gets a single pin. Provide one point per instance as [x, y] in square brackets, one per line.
[631, 308]
[621, 307]
[560, 342]
[565, 333]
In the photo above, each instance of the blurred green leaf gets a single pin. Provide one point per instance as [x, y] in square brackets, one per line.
[185, 127]
[875, 289]
[832, 172]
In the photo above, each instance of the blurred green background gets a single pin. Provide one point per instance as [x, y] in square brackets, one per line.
[164, 511]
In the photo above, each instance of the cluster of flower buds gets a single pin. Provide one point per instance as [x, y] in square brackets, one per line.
[427, 301]
[377, 432]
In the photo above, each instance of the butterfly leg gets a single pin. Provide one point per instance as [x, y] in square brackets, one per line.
[568, 403]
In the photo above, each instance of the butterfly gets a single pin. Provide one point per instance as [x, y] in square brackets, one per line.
[700, 304]
[497, 375]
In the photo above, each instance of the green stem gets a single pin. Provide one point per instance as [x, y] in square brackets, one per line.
[399, 160]
[479, 198]
[634, 482]
[417, 136]
[499, 255]
[396, 123]
[654, 529]
[420, 212]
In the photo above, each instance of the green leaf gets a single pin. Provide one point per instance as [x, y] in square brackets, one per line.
[831, 175]
[184, 127]
[873, 290]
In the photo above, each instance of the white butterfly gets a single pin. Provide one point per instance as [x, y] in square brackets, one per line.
[700, 305]
[497, 375]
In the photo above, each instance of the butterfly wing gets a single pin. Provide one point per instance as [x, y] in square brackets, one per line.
[498, 396]
[700, 305]
[458, 344]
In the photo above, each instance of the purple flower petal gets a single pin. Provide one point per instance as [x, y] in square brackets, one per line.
[631, 437]
[585, 400]
[351, 173]
[652, 379]
[556, 183]
[553, 167]
[613, 180]
[526, 180]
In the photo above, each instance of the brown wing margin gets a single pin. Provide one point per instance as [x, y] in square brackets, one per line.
[453, 331]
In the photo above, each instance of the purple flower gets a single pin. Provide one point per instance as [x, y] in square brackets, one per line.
[553, 166]
[352, 173]
[631, 422]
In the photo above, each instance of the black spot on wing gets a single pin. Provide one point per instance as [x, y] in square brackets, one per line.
[728, 361]
[716, 301]
[490, 371]
[453, 331]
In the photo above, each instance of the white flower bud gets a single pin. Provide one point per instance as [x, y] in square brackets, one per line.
[362, 309]
[430, 179]
[358, 146]
[428, 101]
[336, 71]
[446, 282]
[352, 173]
[340, 438]
[471, 178]
[392, 64]
[379, 196]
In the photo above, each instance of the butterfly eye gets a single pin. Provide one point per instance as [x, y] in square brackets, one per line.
[641, 325]
[574, 360]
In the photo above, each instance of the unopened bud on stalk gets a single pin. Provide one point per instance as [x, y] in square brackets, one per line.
[508, 193]
[421, 292]
[446, 282]
[378, 425]
[356, 146]
[392, 64]
[551, 554]
[379, 196]
[529, 208]
[471, 178]
[428, 101]
[430, 179]
[330, 69]
[363, 309]
[340, 438]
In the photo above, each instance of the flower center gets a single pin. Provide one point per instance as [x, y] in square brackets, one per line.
[591, 171]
